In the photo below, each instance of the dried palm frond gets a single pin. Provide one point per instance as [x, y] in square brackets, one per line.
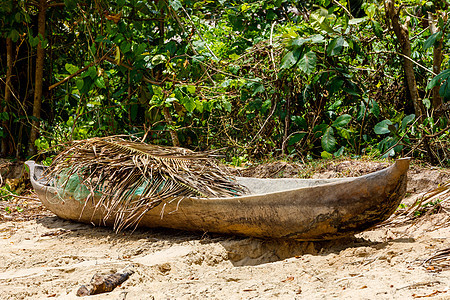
[130, 178]
[431, 202]
[440, 261]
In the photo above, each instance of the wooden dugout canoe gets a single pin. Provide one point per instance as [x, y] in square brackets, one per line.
[301, 209]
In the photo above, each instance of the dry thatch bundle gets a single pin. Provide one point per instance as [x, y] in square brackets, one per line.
[130, 178]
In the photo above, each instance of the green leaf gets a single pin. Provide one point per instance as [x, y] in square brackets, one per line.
[341, 121]
[308, 62]
[427, 103]
[345, 133]
[317, 39]
[295, 138]
[335, 85]
[87, 85]
[258, 88]
[188, 103]
[362, 111]
[100, 82]
[125, 47]
[175, 4]
[431, 40]
[444, 75]
[133, 111]
[33, 40]
[300, 122]
[335, 47]
[190, 89]
[382, 127]
[355, 21]
[339, 152]
[290, 59]
[444, 91]
[319, 21]
[377, 29]
[158, 59]
[326, 155]
[14, 35]
[227, 106]
[71, 68]
[266, 105]
[17, 17]
[297, 42]
[319, 130]
[328, 141]
[70, 4]
[91, 72]
[199, 106]
[79, 84]
[374, 108]
[406, 120]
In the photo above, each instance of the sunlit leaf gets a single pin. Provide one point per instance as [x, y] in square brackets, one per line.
[326, 155]
[319, 20]
[100, 82]
[175, 4]
[71, 68]
[188, 103]
[355, 21]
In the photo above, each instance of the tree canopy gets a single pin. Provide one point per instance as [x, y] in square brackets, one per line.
[262, 79]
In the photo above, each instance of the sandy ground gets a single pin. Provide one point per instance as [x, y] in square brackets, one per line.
[43, 256]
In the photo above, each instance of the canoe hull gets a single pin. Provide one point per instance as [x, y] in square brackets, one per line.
[327, 211]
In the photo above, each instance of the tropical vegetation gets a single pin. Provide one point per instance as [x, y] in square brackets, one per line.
[256, 79]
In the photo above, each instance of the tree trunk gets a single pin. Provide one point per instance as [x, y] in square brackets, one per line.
[436, 99]
[5, 123]
[38, 79]
[402, 34]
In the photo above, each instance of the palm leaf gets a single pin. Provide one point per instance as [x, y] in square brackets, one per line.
[130, 178]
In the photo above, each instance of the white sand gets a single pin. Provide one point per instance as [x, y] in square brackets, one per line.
[52, 258]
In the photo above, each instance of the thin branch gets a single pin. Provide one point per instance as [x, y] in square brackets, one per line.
[18, 197]
[344, 8]
[438, 133]
[265, 122]
[404, 56]
[222, 72]
[56, 4]
[271, 45]
[145, 78]
[199, 33]
[71, 76]
[190, 44]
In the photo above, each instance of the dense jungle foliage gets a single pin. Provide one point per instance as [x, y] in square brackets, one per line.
[260, 79]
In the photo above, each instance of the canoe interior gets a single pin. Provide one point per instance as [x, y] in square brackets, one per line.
[255, 186]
